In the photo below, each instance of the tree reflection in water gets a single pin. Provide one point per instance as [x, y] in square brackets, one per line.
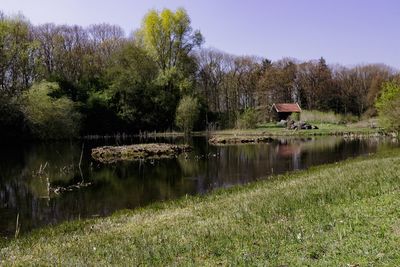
[28, 188]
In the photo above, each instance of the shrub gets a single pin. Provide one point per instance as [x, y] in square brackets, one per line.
[388, 106]
[11, 118]
[187, 113]
[294, 116]
[248, 119]
[48, 117]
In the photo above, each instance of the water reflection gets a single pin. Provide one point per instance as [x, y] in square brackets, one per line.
[29, 175]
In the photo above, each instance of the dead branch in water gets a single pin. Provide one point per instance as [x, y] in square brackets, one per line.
[60, 189]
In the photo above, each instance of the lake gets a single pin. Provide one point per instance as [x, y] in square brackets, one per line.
[44, 183]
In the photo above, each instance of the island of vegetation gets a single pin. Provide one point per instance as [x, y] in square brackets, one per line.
[111, 154]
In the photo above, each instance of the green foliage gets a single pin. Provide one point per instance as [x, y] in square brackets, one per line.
[248, 119]
[137, 96]
[99, 117]
[11, 118]
[388, 106]
[16, 48]
[120, 84]
[187, 113]
[48, 117]
[295, 116]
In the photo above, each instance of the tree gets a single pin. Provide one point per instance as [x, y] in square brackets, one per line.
[136, 96]
[169, 37]
[11, 118]
[17, 72]
[210, 76]
[48, 117]
[105, 39]
[17, 51]
[388, 106]
[276, 84]
[187, 113]
[356, 89]
[315, 87]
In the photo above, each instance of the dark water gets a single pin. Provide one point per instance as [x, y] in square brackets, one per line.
[27, 187]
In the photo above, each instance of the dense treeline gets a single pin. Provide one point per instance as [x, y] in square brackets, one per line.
[234, 83]
[59, 81]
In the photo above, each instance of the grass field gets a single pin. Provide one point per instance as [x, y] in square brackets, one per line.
[333, 215]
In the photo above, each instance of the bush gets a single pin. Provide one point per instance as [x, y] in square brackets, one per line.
[248, 119]
[388, 106]
[11, 118]
[187, 113]
[294, 116]
[48, 117]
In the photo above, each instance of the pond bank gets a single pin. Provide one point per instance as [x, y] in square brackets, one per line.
[338, 214]
[272, 130]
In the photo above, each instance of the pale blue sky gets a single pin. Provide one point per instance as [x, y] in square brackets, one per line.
[348, 32]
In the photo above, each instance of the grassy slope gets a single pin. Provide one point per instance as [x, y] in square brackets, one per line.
[334, 215]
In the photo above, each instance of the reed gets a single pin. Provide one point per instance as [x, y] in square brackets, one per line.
[315, 116]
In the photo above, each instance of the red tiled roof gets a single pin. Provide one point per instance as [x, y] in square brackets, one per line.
[287, 107]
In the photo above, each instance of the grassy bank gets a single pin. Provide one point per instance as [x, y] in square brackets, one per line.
[333, 215]
[362, 128]
[271, 129]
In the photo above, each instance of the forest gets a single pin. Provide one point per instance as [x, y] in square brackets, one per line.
[65, 81]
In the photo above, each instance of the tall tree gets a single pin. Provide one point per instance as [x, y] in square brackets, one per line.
[138, 99]
[168, 36]
[314, 82]
[17, 50]
[169, 39]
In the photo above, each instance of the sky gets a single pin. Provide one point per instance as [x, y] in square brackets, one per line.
[347, 32]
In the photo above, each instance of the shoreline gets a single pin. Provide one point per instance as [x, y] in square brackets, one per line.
[302, 209]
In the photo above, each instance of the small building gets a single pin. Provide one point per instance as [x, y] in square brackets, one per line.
[282, 111]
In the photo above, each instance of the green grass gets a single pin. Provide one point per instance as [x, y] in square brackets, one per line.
[332, 215]
[362, 128]
[271, 129]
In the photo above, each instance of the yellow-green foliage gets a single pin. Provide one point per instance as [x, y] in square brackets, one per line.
[248, 119]
[295, 116]
[187, 113]
[388, 105]
[49, 117]
[315, 116]
[168, 36]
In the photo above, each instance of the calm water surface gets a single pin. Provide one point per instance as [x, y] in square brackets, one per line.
[30, 173]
